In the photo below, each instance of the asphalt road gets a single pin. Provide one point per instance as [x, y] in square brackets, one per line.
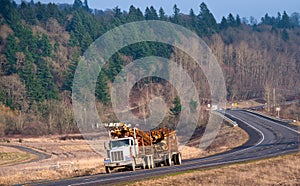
[268, 138]
[39, 155]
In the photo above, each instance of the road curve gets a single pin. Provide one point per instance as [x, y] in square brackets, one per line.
[267, 138]
[39, 155]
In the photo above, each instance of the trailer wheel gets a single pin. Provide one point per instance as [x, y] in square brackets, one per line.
[152, 162]
[178, 159]
[108, 170]
[143, 165]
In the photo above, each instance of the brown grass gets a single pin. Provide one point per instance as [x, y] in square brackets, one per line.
[227, 138]
[74, 157]
[283, 170]
[10, 156]
[86, 161]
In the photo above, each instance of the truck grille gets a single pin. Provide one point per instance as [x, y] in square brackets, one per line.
[117, 156]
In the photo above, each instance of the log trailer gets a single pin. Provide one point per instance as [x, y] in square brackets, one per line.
[132, 148]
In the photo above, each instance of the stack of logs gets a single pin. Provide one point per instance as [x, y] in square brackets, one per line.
[145, 138]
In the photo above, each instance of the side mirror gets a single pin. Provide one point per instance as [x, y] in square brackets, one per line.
[105, 147]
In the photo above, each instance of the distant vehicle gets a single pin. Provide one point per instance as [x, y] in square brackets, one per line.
[132, 148]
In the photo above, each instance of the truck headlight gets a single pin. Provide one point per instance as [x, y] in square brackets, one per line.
[128, 158]
[106, 160]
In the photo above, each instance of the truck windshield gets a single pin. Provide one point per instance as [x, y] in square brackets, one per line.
[119, 143]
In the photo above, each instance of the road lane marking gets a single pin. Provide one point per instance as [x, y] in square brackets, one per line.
[275, 123]
[262, 134]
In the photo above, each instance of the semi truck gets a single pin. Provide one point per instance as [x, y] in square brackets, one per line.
[131, 148]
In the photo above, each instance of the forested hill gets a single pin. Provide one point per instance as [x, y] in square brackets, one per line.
[40, 45]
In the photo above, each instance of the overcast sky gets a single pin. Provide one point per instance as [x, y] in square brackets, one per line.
[255, 8]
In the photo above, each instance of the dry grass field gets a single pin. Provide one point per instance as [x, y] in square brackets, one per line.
[284, 170]
[10, 156]
[74, 157]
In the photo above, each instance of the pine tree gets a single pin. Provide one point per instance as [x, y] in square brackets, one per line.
[10, 52]
[77, 4]
[285, 35]
[162, 14]
[223, 24]
[238, 21]
[176, 11]
[176, 109]
[101, 90]
[230, 20]
[45, 79]
[207, 20]
[285, 21]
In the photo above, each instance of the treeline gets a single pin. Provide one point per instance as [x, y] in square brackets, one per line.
[40, 46]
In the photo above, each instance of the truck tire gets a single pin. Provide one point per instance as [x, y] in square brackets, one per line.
[148, 162]
[143, 165]
[168, 160]
[152, 162]
[108, 170]
[178, 159]
[132, 167]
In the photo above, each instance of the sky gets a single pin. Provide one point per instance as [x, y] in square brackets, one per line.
[255, 8]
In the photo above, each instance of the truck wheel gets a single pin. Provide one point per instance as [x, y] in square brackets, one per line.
[143, 165]
[168, 160]
[132, 167]
[108, 170]
[148, 162]
[152, 162]
[178, 159]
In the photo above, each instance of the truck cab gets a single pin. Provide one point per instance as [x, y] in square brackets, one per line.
[122, 152]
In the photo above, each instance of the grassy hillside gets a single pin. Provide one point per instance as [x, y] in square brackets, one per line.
[40, 45]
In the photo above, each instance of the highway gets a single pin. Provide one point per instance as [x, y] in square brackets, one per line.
[267, 138]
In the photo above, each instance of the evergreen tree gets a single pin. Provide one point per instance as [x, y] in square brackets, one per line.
[176, 11]
[115, 66]
[101, 90]
[285, 21]
[193, 24]
[295, 19]
[68, 82]
[150, 13]
[10, 52]
[77, 4]
[238, 21]
[285, 35]
[45, 46]
[162, 15]
[9, 12]
[176, 109]
[86, 6]
[230, 20]
[45, 79]
[223, 24]
[207, 20]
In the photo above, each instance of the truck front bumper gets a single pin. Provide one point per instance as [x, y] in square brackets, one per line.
[107, 163]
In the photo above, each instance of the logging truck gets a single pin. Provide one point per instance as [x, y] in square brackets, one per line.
[132, 148]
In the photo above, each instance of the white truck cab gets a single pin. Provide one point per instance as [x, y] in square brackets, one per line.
[123, 152]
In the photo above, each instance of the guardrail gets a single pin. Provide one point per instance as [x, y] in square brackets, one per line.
[230, 121]
[271, 117]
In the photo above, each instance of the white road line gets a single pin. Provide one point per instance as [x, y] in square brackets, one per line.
[242, 150]
[262, 134]
[276, 123]
[97, 181]
[233, 161]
